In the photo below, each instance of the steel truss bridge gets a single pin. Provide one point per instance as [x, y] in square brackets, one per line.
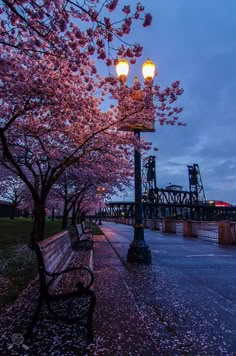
[172, 202]
[175, 204]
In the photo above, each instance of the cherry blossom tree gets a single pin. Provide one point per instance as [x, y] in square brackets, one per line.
[51, 93]
[110, 169]
[69, 29]
[48, 122]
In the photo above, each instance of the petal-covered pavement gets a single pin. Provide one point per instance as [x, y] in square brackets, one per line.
[183, 304]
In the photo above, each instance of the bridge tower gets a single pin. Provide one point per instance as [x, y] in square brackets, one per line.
[197, 194]
[150, 183]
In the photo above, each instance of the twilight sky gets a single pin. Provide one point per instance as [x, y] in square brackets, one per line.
[195, 42]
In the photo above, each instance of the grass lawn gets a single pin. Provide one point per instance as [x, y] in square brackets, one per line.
[94, 227]
[17, 262]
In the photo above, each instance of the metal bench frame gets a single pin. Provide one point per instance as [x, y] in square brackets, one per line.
[50, 254]
[84, 237]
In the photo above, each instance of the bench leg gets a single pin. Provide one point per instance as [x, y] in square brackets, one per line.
[89, 335]
[52, 311]
[28, 334]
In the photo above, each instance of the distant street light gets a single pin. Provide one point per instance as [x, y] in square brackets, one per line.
[138, 249]
[100, 193]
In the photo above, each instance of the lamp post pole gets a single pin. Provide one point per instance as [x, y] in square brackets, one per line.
[138, 250]
[100, 194]
[100, 212]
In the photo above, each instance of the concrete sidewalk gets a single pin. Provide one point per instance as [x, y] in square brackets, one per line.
[184, 303]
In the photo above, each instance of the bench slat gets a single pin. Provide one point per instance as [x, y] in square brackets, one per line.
[52, 239]
[56, 253]
[60, 249]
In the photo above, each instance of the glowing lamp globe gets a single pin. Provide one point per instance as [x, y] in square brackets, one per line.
[122, 69]
[148, 70]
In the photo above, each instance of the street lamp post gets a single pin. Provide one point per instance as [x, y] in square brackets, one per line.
[100, 213]
[100, 193]
[138, 250]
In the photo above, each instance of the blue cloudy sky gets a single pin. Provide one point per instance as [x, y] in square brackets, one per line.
[195, 42]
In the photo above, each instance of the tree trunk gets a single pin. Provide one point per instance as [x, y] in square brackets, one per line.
[65, 216]
[13, 212]
[37, 233]
[73, 220]
[53, 214]
[78, 215]
[82, 216]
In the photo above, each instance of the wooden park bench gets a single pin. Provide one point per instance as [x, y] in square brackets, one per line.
[86, 230]
[54, 255]
[84, 237]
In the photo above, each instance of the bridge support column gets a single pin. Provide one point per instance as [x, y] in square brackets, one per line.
[145, 223]
[159, 225]
[154, 224]
[187, 228]
[166, 223]
[225, 235]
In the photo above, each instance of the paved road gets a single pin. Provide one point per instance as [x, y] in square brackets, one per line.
[184, 303]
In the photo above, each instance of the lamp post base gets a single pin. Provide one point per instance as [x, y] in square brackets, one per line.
[139, 254]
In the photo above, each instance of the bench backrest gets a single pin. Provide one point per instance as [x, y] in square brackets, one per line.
[83, 226]
[79, 230]
[53, 255]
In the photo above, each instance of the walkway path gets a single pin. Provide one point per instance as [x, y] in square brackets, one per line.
[183, 303]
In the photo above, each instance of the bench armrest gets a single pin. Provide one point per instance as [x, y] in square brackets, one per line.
[88, 231]
[70, 269]
[86, 236]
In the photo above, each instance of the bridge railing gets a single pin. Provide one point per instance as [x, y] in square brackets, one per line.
[233, 230]
[205, 230]
[223, 232]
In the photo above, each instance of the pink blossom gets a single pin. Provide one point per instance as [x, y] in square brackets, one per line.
[74, 68]
[126, 9]
[108, 62]
[129, 53]
[93, 14]
[37, 42]
[100, 43]
[78, 34]
[107, 21]
[139, 8]
[102, 54]
[120, 51]
[147, 20]
[112, 5]
[90, 32]
[91, 49]
[73, 45]
[110, 37]
[62, 25]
